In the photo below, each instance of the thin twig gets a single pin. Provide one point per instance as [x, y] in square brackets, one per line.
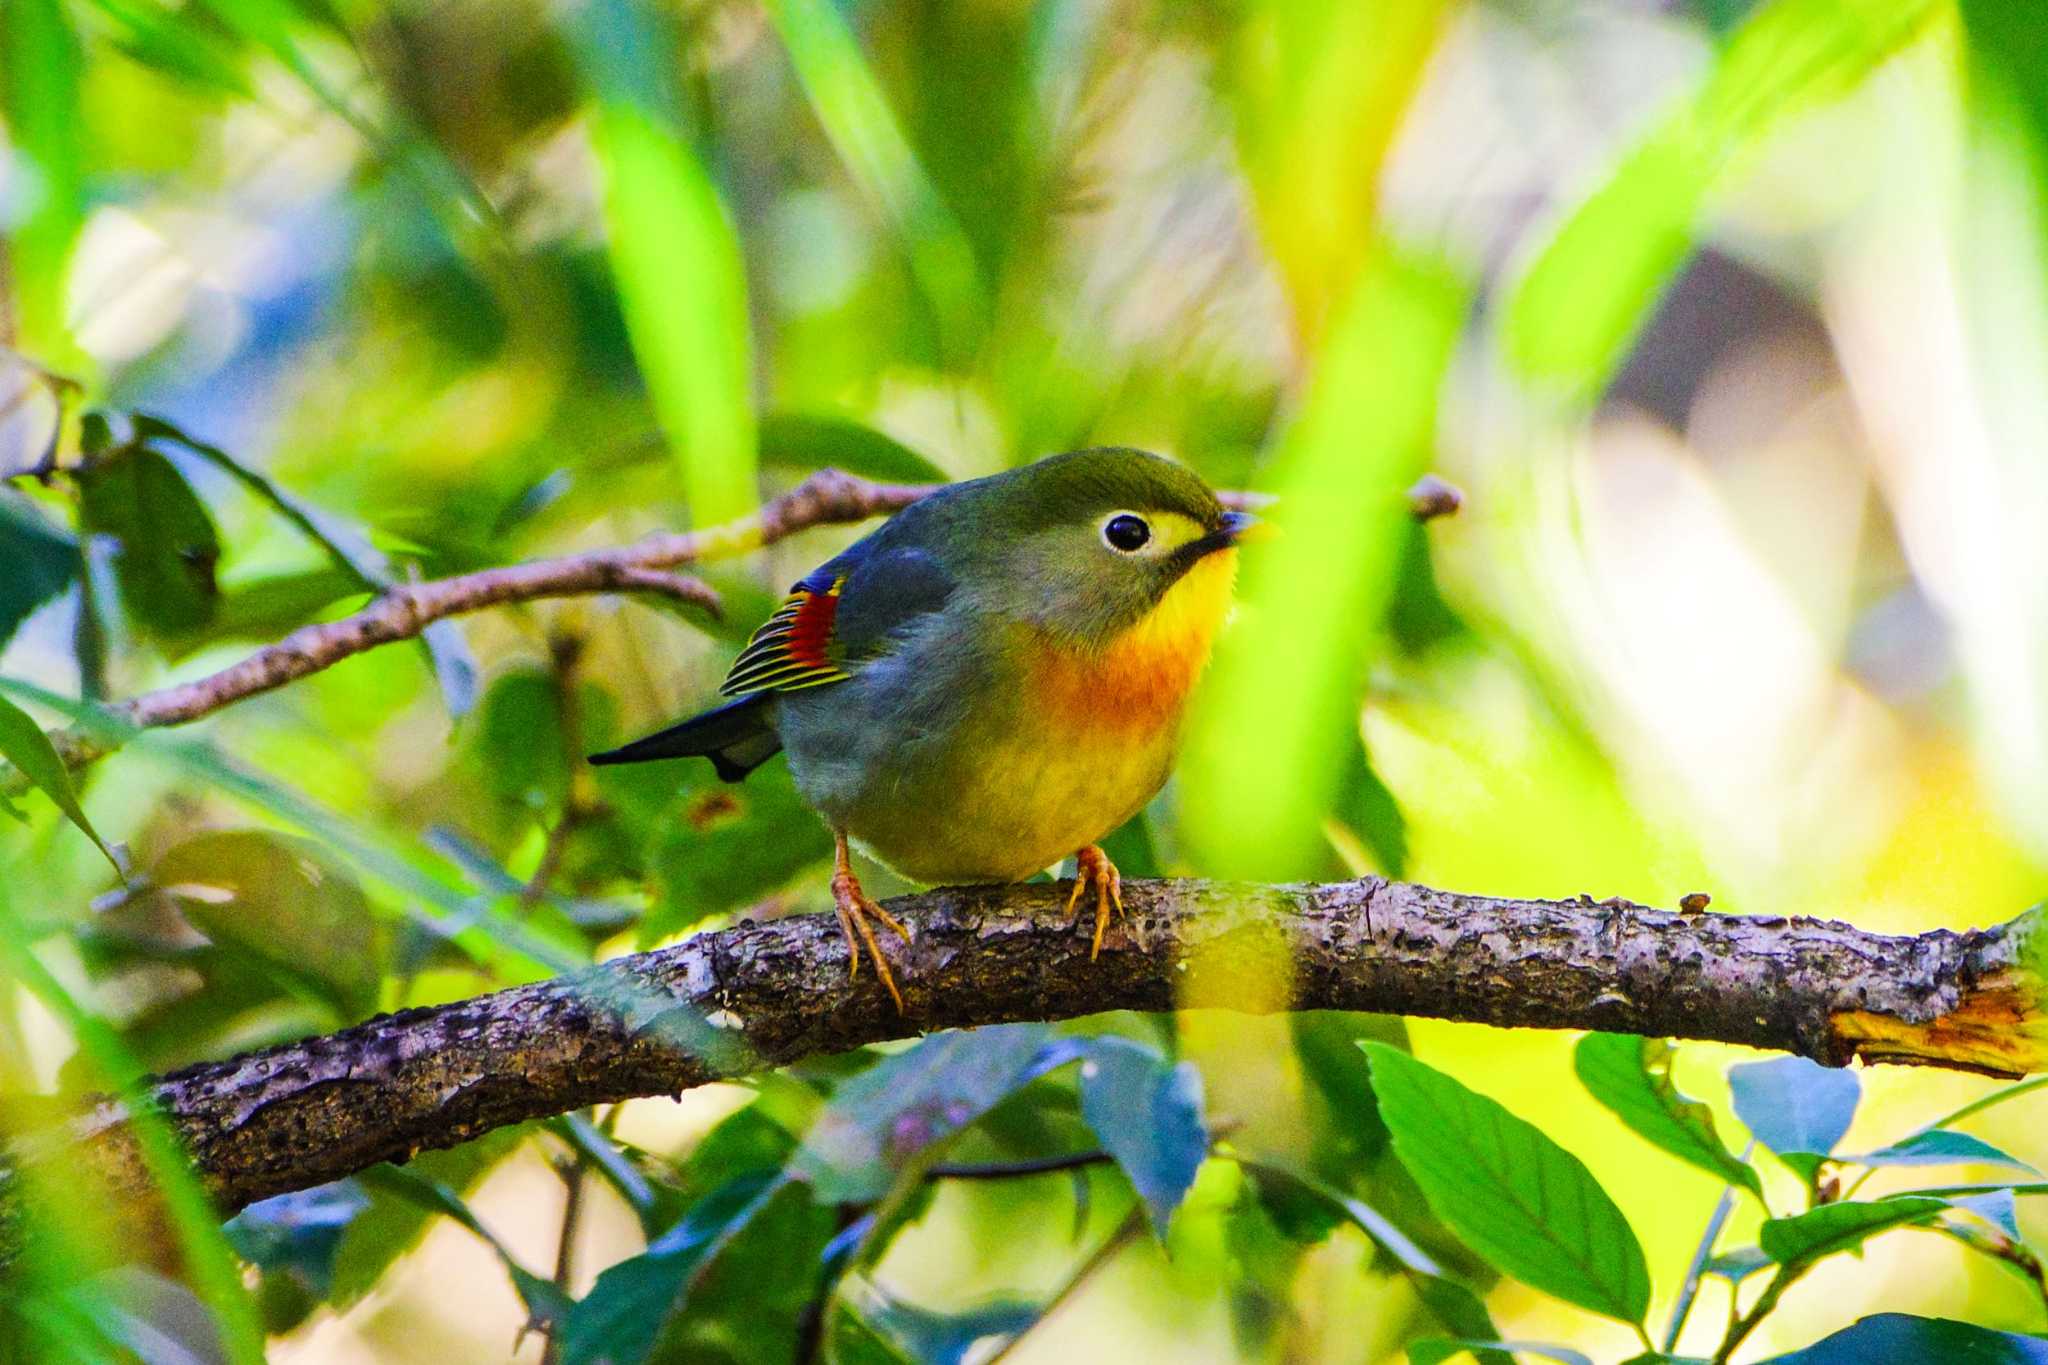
[1126, 1232]
[1007, 1170]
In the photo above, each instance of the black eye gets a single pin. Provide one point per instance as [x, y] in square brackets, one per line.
[1126, 532]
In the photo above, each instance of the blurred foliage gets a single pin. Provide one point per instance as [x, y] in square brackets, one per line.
[1729, 318]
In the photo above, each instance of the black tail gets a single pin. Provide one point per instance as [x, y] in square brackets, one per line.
[737, 737]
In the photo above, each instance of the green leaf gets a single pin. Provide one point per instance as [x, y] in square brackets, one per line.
[1585, 295]
[720, 845]
[1435, 1350]
[42, 69]
[545, 1301]
[806, 441]
[1797, 1108]
[618, 1321]
[394, 1224]
[1738, 1265]
[281, 901]
[1517, 1198]
[1345, 1127]
[23, 743]
[1631, 1078]
[1899, 1339]
[1148, 1113]
[884, 1118]
[675, 256]
[1939, 1147]
[907, 1332]
[1841, 1227]
[41, 562]
[1367, 806]
[166, 543]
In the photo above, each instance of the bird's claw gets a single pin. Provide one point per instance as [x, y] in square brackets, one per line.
[855, 909]
[1092, 868]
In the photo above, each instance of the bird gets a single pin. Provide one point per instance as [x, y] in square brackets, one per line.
[992, 680]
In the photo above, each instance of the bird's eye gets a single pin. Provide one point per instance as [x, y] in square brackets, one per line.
[1126, 533]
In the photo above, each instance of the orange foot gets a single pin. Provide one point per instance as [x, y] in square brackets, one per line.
[1092, 867]
[854, 910]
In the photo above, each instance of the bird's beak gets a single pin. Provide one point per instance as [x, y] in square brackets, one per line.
[1240, 527]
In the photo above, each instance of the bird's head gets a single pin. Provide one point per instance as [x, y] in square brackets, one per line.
[1094, 545]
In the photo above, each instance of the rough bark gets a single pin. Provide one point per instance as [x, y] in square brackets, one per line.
[761, 994]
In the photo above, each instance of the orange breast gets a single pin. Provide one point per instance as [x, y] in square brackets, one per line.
[1142, 680]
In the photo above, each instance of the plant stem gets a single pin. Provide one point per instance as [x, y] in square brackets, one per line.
[1689, 1291]
[1766, 1301]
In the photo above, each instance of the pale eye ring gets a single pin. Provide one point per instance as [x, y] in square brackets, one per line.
[1126, 533]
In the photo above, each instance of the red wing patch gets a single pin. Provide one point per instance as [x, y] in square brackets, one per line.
[791, 650]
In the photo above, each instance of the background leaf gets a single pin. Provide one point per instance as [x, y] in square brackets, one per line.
[23, 743]
[167, 545]
[1519, 1199]
[1939, 1147]
[41, 562]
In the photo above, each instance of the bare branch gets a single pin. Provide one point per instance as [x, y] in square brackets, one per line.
[308, 1112]
[404, 611]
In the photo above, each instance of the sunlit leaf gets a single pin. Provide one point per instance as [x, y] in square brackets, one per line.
[1585, 295]
[1797, 1108]
[1898, 1339]
[1260, 775]
[1516, 1197]
[1631, 1077]
[23, 743]
[676, 257]
[41, 71]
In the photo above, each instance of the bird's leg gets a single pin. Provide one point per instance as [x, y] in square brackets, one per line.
[854, 909]
[1092, 868]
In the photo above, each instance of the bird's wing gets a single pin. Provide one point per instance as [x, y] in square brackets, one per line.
[838, 616]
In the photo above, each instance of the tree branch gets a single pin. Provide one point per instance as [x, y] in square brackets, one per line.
[402, 612]
[646, 566]
[759, 995]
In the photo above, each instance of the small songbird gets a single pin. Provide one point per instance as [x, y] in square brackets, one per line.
[992, 680]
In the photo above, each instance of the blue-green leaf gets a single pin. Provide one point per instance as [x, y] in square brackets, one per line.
[1899, 1339]
[1939, 1147]
[884, 1118]
[1797, 1108]
[1841, 1227]
[1631, 1077]
[1517, 1198]
[1148, 1113]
